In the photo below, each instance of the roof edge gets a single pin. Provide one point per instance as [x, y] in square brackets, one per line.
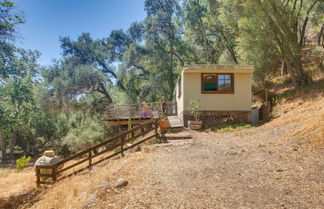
[217, 67]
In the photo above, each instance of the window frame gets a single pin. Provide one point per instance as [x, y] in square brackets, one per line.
[179, 87]
[231, 91]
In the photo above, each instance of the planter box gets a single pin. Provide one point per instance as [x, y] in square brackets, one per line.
[195, 125]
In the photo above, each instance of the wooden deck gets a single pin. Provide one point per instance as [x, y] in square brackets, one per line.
[136, 113]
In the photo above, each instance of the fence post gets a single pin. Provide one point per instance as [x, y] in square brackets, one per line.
[54, 174]
[156, 128]
[37, 177]
[132, 133]
[122, 145]
[142, 131]
[90, 160]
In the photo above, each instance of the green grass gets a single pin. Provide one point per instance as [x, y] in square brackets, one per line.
[230, 128]
[2, 175]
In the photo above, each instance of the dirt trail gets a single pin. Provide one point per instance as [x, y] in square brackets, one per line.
[228, 170]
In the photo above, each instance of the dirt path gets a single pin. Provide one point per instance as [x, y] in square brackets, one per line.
[228, 170]
[277, 165]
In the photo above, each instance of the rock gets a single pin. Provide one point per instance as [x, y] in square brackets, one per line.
[90, 202]
[116, 171]
[121, 183]
[146, 150]
[136, 149]
[150, 148]
[103, 184]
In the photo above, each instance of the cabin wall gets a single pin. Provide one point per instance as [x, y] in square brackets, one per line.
[240, 100]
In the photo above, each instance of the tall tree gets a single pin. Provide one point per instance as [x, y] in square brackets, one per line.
[163, 39]
[286, 23]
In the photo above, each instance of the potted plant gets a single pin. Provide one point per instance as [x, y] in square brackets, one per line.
[164, 123]
[194, 110]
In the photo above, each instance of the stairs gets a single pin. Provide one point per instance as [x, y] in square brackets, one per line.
[176, 129]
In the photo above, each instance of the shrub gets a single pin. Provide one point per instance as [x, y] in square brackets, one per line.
[193, 107]
[22, 162]
[155, 141]
[84, 132]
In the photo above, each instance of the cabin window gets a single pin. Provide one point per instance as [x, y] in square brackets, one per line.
[217, 83]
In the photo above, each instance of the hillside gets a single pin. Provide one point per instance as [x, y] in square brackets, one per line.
[275, 165]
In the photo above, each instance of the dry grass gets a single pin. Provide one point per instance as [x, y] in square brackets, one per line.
[307, 112]
[13, 182]
[276, 165]
[81, 190]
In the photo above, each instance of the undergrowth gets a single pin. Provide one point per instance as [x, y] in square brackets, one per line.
[229, 128]
[3, 175]
[291, 93]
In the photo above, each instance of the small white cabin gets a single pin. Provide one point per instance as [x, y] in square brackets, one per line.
[223, 92]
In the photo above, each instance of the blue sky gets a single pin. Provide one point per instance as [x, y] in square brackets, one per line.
[47, 20]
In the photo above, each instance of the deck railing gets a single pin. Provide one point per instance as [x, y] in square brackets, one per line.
[89, 157]
[136, 111]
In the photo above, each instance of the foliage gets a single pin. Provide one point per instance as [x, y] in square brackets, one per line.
[62, 105]
[9, 18]
[274, 31]
[193, 107]
[154, 141]
[230, 128]
[207, 33]
[84, 131]
[22, 162]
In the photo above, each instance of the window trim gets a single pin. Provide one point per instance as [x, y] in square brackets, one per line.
[218, 92]
[179, 87]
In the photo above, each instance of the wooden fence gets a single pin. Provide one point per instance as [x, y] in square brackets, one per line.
[59, 172]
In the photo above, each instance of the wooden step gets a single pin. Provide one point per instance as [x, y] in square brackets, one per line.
[176, 129]
[175, 124]
[178, 135]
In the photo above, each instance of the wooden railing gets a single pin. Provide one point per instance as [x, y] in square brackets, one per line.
[135, 111]
[89, 156]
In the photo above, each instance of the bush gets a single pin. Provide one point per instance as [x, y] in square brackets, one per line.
[84, 131]
[22, 162]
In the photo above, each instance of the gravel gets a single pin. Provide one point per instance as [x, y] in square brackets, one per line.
[245, 169]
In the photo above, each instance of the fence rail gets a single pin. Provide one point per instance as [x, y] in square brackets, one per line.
[59, 172]
[136, 111]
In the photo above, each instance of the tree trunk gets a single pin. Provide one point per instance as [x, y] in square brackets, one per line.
[297, 74]
[320, 39]
[171, 78]
[3, 146]
[283, 69]
[13, 143]
[230, 48]
[303, 78]
[291, 73]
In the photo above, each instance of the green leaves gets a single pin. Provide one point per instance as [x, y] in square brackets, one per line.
[9, 19]
[22, 162]
[84, 131]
